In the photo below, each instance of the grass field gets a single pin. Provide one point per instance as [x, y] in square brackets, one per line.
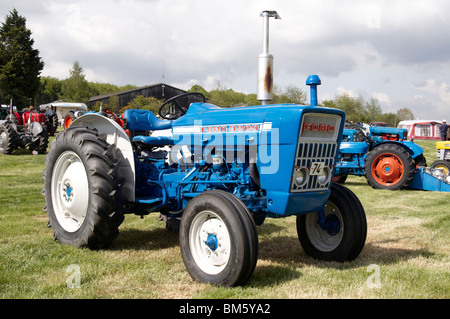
[407, 252]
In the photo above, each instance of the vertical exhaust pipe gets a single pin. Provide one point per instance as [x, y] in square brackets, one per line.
[265, 62]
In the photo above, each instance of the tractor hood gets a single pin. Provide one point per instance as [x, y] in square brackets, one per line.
[281, 139]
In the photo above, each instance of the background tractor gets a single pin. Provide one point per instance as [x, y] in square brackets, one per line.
[443, 154]
[26, 129]
[381, 154]
[219, 171]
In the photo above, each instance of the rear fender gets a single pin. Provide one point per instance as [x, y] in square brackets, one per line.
[117, 136]
[412, 148]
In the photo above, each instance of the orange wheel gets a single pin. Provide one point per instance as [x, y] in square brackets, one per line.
[67, 121]
[389, 166]
[387, 169]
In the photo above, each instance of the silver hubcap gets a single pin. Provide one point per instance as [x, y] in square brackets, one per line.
[320, 238]
[209, 242]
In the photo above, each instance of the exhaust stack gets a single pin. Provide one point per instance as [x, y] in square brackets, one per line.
[265, 62]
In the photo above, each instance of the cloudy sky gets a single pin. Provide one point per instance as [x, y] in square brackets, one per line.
[395, 50]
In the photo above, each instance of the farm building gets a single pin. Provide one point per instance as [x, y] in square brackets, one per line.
[422, 129]
[160, 91]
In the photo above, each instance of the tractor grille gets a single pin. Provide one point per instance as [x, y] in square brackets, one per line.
[316, 152]
[307, 154]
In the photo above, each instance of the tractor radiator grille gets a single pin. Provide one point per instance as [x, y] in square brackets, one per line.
[309, 153]
[316, 152]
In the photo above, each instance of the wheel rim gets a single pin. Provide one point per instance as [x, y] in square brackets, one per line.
[444, 168]
[209, 242]
[387, 169]
[322, 239]
[3, 140]
[70, 191]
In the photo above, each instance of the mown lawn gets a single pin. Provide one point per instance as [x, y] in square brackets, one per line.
[407, 253]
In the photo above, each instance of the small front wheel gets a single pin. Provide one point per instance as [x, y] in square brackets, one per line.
[343, 237]
[218, 239]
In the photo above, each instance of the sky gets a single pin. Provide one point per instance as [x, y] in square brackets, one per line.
[397, 51]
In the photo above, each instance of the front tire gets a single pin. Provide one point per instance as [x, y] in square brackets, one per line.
[82, 189]
[346, 234]
[218, 239]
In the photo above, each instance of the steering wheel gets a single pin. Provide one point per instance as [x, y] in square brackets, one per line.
[172, 109]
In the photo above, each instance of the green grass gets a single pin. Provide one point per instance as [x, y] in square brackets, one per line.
[407, 239]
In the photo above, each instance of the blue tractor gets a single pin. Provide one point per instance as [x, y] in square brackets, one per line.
[381, 154]
[220, 171]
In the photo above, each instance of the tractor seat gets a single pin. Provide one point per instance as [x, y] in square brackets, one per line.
[144, 120]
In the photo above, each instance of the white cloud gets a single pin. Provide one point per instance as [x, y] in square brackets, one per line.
[349, 44]
[382, 97]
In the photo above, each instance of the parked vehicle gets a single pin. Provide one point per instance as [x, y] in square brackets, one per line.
[219, 171]
[381, 154]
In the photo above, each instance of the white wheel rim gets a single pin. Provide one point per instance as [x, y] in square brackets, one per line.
[3, 140]
[209, 242]
[70, 191]
[319, 237]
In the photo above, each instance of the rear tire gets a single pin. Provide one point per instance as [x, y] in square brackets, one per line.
[7, 134]
[83, 189]
[218, 239]
[389, 166]
[345, 240]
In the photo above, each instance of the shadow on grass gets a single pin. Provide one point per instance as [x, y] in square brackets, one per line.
[158, 238]
[288, 250]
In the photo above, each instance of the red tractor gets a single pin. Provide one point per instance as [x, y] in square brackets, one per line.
[26, 129]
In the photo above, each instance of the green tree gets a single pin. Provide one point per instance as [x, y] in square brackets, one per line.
[372, 110]
[405, 114]
[353, 107]
[20, 64]
[76, 88]
[146, 103]
[50, 90]
[295, 95]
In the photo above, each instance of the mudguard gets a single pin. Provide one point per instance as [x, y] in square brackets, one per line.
[117, 136]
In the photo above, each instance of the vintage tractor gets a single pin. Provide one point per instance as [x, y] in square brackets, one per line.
[26, 130]
[381, 154]
[443, 154]
[221, 171]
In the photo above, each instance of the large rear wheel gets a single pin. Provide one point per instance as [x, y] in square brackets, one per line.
[83, 189]
[389, 166]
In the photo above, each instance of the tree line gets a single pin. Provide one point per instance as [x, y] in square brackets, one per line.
[20, 80]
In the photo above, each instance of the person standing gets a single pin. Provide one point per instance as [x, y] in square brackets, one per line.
[443, 129]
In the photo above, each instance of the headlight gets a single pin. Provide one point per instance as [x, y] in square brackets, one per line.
[324, 176]
[301, 176]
